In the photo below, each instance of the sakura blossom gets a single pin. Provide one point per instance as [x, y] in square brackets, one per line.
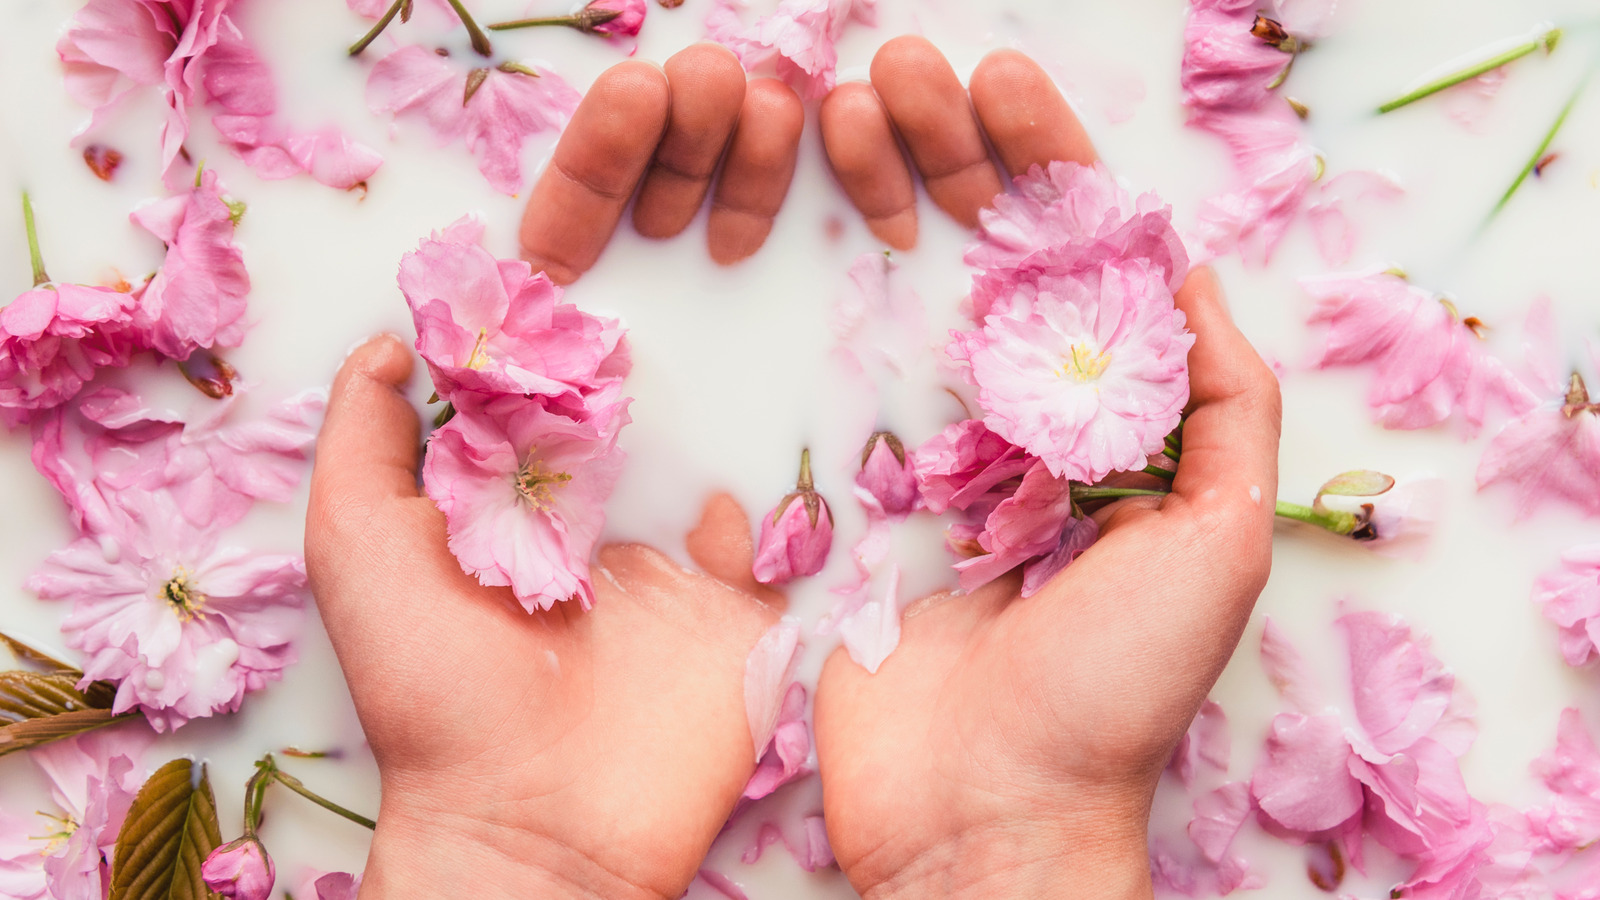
[1570, 597]
[493, 326]
[798, 37]
[966, 465]
[1571, 770]
[239, 870]
[797, 535]
[1428, 361]
[1034, 522]
[196, 301]
[523, 491]
[93, 780]
[887, 474]
[54, 338]
[184, 625]
[1275, 171]
[505, 105]
[627, 23]
[1090, 374]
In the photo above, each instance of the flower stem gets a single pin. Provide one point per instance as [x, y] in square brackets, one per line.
[805, 483]
[369, 37]
[34, 256]
[587, 20]
[1085, 494]
[255, 792]
[1159, 472]
[1548, 41]
[1336, 522]
[294, 784]
[1544, 145]
[480, 41]
[1170, 453]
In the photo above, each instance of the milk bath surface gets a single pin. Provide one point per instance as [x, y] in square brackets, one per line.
[734, 368]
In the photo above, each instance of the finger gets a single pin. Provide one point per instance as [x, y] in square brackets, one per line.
[757, 172]
[707, 86]
[929, 108]
[598, 162]
[1027, 120]
[722, 545]
[866, 159]
[368, 449]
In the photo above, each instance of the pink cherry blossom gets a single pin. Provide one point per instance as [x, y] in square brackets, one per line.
[507, 106]
[788, 750]
[1225, 64]
[1428, 362]
[799, 37]
[493, 326]
[968, 465]
[1274, 172]
[797, 535]
[1571, 770]
[625, 25]
[197, 299]
[1090, 375]
[1034, 522]
[53, 339]
[1550, 452]
[887, 473]
[1066, 219]
[184, 627]
[1570, 597]
[523, 491]
[240, 870]
[1329, 213]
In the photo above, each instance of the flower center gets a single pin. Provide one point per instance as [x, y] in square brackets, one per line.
[480, 351]
[1083, 363]
[64, 827]
[537, 484]
[182, 595]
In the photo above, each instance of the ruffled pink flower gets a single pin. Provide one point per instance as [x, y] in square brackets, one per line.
[796, 536]
[182, 626]
[887, 473]
[1275, 169]
[53, 339]
[799, 36]
[1570, 597]
[109, 447]
[1036, 522]
[506, 107]
[93, 780]
[1572, 771]
[494, 327]
[1428, 362]
[114, 46]
[523, 491]
[1090, 375]
[1067, 219]
[968, 465]
[1225, 63]
[197, 299]
[240, 870]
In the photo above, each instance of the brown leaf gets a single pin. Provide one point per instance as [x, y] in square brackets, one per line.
[170, 830]
[35, 657]
[37, 708]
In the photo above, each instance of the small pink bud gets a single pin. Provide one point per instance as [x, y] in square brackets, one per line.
[240, 869]
[796, 537]
[626, 24]
[887, 474]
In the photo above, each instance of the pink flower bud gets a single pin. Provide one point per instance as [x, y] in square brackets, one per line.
[887, 474]
[240, 869]
[625, 25]
[796, 536]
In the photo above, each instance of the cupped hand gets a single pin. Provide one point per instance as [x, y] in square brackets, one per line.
[1010, 747]
[558, 754]
[665, 133]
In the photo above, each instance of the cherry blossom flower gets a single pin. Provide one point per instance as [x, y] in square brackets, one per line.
[197, 299]
[625, 25]
[1090, 375]
[887, 474]
[507, 104]
[523, 491]
[1570, 597]
[1552, 452]
[240, 870]
[53, 339]
[1275, 169]
[493, 326]
[1229, 62]
[797, 535]
[183, 626]
[93, 780]
[967, 465]
[799, 36]
[1038, 521]
[1571, 769]
[110, 445]
[1428, 361]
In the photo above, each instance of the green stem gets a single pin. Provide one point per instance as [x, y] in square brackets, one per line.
[293, 784]
[34, 256]
[1336, 522]
[480, 41]
[369, 37]
[1159, 472]
[1547, 40]
[1085, 494]
[255, 792]
[534, 23]
[1170, 453]
[587, 20]
[1544, 145]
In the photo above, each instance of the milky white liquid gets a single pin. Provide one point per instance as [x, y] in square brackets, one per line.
[733, 372]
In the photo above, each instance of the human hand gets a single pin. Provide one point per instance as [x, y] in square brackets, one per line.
[663, 132]
[1010, 747]
[567, 753]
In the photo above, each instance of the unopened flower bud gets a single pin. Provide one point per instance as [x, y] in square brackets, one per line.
[796, 536]
[886, 473]
[240, 869]
[626, 23]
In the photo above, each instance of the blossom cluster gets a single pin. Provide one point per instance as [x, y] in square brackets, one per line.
[183, 623]
[523, 468]
[798, 38]
[190, 51]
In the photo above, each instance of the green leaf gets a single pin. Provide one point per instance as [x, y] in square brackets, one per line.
[37, 708]
[170, 830]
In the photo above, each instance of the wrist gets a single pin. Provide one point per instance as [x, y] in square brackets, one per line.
[1033, 859]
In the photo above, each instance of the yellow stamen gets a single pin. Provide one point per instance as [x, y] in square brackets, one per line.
[65, 826]
[537, 484]
[1085, 364]
[181, 594]
[480, 351]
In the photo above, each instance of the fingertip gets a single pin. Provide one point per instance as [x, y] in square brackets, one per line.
[1027, 119]
[898, 230]
[383, 358]
[908, 56]
[866, 159]
[774, 102]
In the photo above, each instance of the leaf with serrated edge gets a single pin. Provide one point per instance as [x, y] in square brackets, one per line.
[34, 656]
[39, 708]
[170, 830]
[30, 733]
